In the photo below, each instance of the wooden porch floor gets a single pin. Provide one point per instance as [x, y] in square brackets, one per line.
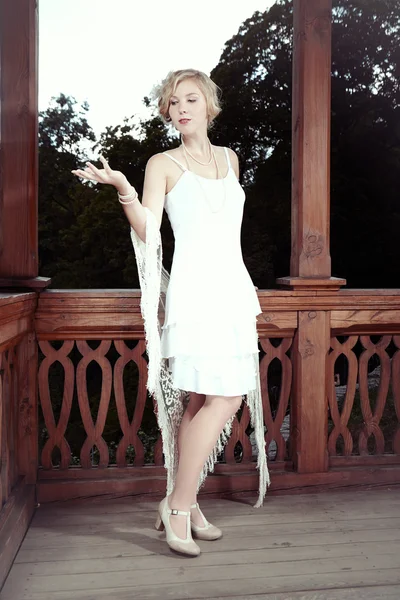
[338, 545]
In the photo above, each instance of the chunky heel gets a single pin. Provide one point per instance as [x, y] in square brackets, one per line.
[159, 524]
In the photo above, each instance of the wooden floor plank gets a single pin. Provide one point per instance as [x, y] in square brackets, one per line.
[122, 548]
[103, 534]
[205, 591]
[267, 557]
[130, 504]
[234, 515]
[387, 592]
[190, 572]
[310, 547]
[228, 513]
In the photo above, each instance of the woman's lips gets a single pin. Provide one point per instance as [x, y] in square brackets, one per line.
[184, 121]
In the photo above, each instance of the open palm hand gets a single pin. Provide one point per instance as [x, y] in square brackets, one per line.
[105, 175]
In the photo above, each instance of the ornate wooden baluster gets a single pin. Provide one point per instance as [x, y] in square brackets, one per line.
[56, 433]
[396, 391]
[372, 419]
[274, 425]
[130, 429]
[239, 435]
[341, 420]
[94, 430]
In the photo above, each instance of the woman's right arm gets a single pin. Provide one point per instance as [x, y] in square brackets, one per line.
[153, 190]
[153, 196]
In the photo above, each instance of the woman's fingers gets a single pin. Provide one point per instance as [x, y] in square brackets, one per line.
[105, 163]
[89, 171]
[84, 174]
[94, 170]
[93, 173]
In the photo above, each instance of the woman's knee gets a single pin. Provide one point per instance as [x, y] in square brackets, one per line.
[229, 404]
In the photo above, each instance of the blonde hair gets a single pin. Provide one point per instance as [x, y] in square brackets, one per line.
[163, 92]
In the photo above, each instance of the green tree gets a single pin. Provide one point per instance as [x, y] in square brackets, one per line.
[109, 259]
[63, 133]
[84, 237]
[254, 72]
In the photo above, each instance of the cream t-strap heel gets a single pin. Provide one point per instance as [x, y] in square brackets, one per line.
[187, 546]
[208, 532]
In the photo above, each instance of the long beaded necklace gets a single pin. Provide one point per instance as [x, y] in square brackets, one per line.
[222, 179]
[194, 158]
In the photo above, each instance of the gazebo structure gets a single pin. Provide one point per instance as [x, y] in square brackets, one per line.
[306, 325]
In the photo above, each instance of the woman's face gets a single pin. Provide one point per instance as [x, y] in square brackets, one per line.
[188, 107]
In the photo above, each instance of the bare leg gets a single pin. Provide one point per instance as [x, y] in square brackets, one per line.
[196, 445]
[196, 402]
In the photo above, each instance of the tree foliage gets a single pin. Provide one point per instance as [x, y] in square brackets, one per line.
[255, 74]
[83, 233]
[63, 131]
[84, 236]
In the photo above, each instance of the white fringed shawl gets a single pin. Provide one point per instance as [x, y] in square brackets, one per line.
[169, 401]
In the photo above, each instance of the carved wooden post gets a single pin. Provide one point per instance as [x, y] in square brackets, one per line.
[310, 267]
[19, 145]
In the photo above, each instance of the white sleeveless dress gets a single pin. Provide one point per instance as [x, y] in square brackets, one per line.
[209, 333]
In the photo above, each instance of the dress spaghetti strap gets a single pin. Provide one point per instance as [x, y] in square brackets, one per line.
[228, 160]
[227, 157]
[177, 161]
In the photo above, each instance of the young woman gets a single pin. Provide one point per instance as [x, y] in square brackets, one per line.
[208, 343]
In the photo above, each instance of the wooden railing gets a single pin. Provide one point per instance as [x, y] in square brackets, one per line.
[92, 347]
[100, 432]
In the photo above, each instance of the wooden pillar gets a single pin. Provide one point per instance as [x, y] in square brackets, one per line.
[19, 145]
[310, 266]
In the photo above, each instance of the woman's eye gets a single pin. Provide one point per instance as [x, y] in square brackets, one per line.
[173, 102]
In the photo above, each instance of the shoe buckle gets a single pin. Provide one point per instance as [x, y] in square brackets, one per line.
[174, 511]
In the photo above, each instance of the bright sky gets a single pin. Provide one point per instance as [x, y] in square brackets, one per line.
[112, 52]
